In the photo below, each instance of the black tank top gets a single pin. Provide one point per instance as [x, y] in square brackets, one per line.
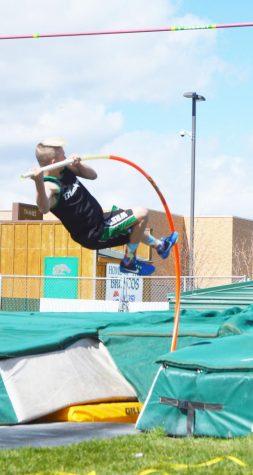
[76, 208]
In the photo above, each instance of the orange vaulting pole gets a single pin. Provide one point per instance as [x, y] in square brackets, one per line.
[176, 252]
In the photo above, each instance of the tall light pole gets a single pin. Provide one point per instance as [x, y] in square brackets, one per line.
[194, 97]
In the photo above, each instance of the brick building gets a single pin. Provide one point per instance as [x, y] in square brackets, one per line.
[223, 245]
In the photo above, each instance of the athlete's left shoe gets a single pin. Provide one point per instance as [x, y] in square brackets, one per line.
[167, 243]
[134, 266]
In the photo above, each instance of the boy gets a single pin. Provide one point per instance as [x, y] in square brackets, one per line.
[60, 192]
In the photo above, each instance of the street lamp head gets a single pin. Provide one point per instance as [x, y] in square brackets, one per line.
[195, 96]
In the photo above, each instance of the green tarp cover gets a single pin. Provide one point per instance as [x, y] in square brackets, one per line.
[226, 354]
[135, 341]
[7, 413]
[194, 402]
[136, 349]
[35, 332]
[32, 333]
[208, 386]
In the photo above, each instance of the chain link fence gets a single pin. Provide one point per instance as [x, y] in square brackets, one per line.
[121, 293]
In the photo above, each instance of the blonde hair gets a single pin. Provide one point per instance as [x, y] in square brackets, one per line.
[46, 153]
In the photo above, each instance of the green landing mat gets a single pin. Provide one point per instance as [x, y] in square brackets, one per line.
[136, 341]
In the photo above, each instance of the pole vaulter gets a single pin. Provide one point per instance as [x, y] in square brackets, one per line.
[68, 161]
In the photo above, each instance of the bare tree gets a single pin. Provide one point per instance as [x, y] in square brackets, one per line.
[207, 266]
[243, 258]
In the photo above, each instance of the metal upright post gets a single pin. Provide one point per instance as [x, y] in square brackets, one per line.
[195, 97]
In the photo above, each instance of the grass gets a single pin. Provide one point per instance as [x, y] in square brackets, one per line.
[143, 454]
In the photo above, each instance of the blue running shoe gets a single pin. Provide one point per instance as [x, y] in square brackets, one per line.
[134, 266]
[167, 243]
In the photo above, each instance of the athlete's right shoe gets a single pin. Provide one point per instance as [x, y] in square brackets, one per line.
[168, 242]
[134, 266]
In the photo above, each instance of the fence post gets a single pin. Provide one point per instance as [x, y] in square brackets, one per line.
[123, 302]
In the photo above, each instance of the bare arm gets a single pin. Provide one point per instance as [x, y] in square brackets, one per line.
[81, 169]
[46, 193]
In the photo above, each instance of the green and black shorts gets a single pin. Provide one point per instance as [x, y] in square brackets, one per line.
[117, 227]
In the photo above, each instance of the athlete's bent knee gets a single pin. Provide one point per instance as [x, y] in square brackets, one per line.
[141, 213]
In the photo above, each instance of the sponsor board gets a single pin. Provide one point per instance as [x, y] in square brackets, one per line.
[119, 285]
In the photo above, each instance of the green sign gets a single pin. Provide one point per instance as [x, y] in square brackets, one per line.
[60, 285]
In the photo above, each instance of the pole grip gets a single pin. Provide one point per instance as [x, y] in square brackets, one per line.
[52, 166]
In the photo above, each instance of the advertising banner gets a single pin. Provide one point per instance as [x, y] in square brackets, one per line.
[118, 284]
[60, 287]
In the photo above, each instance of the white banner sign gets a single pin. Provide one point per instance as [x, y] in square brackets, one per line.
[133, 285]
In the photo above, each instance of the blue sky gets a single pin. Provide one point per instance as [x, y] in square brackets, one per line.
[123, 95]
